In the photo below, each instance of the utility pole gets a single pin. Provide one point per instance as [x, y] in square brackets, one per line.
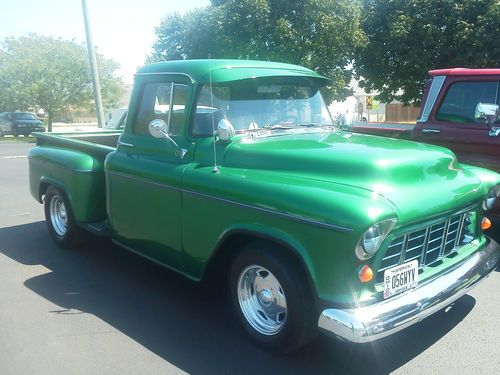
[93, 66]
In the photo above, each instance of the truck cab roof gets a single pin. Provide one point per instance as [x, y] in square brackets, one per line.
[464, 72]
[216, 70]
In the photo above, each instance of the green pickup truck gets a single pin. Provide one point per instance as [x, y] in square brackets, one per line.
[234, 168]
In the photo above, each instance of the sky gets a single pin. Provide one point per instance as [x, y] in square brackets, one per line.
[122, 30]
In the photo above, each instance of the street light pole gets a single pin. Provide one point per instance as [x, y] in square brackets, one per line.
[93, 67]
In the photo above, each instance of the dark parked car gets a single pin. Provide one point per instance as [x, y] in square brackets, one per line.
[17, 123]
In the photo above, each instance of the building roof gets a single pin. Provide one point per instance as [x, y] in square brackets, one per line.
[464, 72]
[228, 70]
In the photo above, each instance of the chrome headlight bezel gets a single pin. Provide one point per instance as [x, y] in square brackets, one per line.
[372, 239]
[491, 198]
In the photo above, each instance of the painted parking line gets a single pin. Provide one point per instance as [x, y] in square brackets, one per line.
[13, 157]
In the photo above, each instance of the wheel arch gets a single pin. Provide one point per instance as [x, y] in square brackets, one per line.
[45, 183]
[234, 239]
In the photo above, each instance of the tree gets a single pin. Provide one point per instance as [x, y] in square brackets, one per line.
[53, 74]
[406, 38]
[320, 34]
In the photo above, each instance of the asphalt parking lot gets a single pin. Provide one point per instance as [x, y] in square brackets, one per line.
[102, 310]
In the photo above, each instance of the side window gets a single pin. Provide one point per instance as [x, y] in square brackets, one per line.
[210, 106]
[459, 104]
[178, 109]
[165, 101]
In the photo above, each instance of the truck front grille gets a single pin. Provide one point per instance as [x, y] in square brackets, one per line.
[430, 244]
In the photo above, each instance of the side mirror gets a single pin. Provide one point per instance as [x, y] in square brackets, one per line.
[225, 130]
[158, 128]
[487, 112]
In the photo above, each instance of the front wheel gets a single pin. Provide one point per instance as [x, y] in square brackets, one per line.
[15, 132]
[60, 221]
[272, 298]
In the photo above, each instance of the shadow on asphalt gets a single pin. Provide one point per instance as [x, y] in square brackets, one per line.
[188, 324]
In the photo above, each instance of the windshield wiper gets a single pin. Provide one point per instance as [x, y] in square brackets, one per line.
[313, 124]
[278, 126]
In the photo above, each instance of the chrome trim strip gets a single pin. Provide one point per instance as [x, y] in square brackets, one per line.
[227, 201]
[120, 143]
[381, 319]
[431, 131]
[436, 85]
[144, 181]
[165, 74]
[277, 213]
[171, 106]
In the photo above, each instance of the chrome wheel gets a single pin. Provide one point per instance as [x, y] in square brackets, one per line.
[262, 300]
[58, 215]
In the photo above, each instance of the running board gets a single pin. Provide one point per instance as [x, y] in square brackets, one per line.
[100, 228]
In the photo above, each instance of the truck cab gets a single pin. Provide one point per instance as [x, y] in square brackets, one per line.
[450, 116]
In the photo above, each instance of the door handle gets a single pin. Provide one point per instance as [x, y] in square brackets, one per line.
[431, 131]
[120, 143]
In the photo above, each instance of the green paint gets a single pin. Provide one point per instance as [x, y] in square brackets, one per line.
[314, 190]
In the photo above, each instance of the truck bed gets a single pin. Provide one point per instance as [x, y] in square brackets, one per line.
[74, 162]
[97, 144]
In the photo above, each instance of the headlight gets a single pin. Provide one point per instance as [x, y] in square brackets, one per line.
[371, 240]
[491, 198]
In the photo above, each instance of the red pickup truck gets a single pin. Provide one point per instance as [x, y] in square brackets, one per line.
[460, 112]
[451, 115]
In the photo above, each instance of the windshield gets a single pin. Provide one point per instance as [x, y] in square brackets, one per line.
[254, 104]
[25, 116]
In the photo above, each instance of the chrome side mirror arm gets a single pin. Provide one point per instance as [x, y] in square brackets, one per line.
[159, 129]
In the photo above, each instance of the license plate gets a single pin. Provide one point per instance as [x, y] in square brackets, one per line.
[400, 278]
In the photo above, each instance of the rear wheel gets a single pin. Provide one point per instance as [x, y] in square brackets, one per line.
[60, 221]
[15, 132]
[272, 298]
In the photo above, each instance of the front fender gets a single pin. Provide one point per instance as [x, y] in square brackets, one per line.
[270, 234]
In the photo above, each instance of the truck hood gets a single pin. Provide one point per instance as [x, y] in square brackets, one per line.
[417, 179]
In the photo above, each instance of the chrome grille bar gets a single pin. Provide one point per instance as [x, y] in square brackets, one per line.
[429, 244]
[425, 246]
[443, 241]
[460, 229]
[403, 253]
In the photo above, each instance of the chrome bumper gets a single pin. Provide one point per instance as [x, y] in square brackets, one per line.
[372, 322]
